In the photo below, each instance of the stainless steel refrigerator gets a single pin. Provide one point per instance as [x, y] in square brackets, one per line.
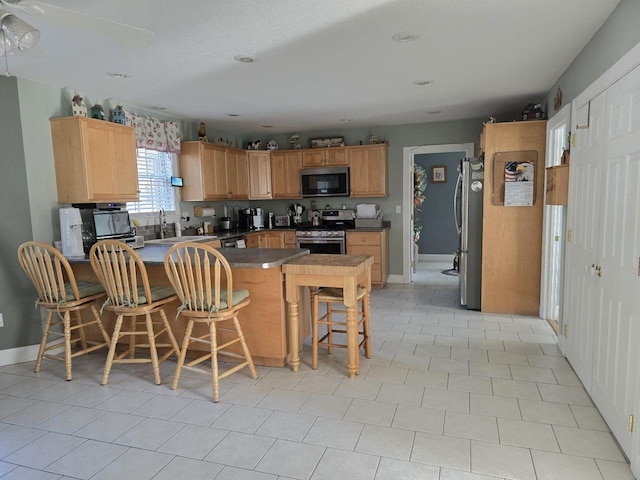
[468, 212]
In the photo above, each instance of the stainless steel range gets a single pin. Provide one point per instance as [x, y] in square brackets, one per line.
[329, 236]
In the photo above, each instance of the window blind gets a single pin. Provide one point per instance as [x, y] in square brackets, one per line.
[154, 182]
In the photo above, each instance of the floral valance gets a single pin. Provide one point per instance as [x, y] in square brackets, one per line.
[155, 134]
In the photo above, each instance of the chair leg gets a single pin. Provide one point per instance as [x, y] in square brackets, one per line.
[152, 348]
[43, 341]
[214, 361]
[329, 328]
[132, 338]
[112, 349]
[366, 325]
[314, 330]
[183, 354]
[66, 321]
[245, 349]
[100, 326]
[83, 337]
[172, 338]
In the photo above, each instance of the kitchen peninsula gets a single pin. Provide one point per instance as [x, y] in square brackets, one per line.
[259, 270]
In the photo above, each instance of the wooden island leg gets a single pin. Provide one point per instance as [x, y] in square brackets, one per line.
[292, 297]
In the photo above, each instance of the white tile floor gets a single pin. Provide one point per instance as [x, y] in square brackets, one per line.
[448, 395]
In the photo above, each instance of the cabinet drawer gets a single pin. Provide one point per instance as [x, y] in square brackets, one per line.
[364, 239]
[372, 251]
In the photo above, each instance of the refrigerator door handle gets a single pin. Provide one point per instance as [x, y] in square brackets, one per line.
[455, 203]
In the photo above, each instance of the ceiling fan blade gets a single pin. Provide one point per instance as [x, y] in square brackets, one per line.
[134, 36]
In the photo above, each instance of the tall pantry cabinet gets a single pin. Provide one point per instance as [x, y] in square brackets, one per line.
[512, 235]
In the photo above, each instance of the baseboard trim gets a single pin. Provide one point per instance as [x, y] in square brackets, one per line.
[395, 279]
[18, 355]
[434, 257]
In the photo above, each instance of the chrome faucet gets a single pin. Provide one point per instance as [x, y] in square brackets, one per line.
[163, 223]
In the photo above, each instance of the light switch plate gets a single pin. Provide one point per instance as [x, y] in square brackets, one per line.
[398, 209]
[1, 321]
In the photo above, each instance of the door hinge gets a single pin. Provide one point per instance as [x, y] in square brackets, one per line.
[573, 139]
[599, 270]
[569, 235]
[565, 329]
[630, 423]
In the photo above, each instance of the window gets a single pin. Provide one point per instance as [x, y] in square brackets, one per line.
[154, 181]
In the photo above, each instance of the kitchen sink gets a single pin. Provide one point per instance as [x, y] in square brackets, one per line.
[184, 238]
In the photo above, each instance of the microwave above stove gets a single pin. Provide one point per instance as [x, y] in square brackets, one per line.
[325, 182]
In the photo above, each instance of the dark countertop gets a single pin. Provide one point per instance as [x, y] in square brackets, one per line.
[237, 257]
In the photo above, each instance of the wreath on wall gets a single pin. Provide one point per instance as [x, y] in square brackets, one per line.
[419, 186]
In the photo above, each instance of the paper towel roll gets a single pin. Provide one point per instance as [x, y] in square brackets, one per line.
[204, 212]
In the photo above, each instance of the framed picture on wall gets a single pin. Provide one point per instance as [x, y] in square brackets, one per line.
[439, 174]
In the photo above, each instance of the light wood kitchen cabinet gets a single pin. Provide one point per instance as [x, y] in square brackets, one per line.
[285, 173]
[95, 161]
[375, 244]
[259, 174]
[325, 157]
[368, 170]
[203, 167]
[237, 173]
[290, 239]
[252, 240]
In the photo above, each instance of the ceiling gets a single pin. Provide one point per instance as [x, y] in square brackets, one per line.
[317, 64]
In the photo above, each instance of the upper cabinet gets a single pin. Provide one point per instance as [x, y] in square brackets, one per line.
[325, 157]
[368, 170]
[212, 172]
[237, 173]
[259, 174]
[95, 161]
[285, 173]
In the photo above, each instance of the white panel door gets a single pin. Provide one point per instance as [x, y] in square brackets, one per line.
[583, 232]
[618, 293]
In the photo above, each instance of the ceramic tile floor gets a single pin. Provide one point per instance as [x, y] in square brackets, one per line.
[448, 395]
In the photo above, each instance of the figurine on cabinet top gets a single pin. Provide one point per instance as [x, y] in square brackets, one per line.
[97, 112]
[202, 132]
[78, 107]
[119, 115]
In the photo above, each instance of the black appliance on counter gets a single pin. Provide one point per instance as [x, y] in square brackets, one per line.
[330, 235]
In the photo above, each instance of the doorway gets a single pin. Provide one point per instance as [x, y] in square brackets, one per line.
[408, 158]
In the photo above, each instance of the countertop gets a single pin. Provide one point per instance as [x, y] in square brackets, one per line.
[237, 257]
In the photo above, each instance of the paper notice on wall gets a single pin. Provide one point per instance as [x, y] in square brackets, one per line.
[518, 184]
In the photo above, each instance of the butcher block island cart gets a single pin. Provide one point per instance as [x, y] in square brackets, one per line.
[259, 270]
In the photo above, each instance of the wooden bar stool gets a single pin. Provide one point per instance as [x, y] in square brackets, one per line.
[59, 293]
[129, 295]
[331, 296]
[202, 278]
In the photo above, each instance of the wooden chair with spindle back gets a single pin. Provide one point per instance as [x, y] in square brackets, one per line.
[129, 295]
[202, 278]
[333, 324]
[60, 294]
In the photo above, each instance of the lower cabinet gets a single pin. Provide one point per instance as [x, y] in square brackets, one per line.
[375, 244]
[272, 239]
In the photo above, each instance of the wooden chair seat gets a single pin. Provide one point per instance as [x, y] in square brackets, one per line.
[129, 296]
[332, 296]
[202, 278]
[60, 294]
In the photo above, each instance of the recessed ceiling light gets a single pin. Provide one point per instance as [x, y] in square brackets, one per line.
[422, 82]
[233, 114]
[404, 37]
[346, 120]
[434, 112]
[266, 126]
[157, 108]
[118, 75]
[244, 59]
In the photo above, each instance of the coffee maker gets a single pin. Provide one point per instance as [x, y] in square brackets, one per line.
[245, 218]
[258, 219]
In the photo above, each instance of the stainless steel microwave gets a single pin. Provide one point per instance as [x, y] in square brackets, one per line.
[325, 182]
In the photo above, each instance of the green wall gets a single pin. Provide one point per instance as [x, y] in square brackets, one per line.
[21, 319]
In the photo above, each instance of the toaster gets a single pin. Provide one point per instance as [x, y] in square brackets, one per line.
[282, 221]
